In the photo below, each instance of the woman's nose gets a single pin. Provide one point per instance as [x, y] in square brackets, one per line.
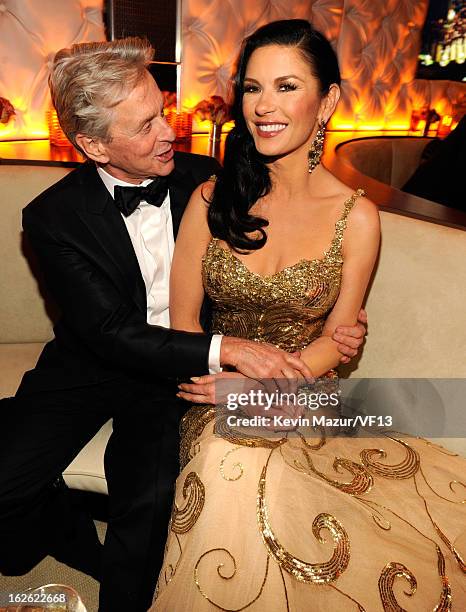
[265, 104]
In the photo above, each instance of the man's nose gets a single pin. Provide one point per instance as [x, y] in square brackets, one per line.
[167, 133]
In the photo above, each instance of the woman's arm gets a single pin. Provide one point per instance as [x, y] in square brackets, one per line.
[360, 248]
[186, 289]
[252, 359]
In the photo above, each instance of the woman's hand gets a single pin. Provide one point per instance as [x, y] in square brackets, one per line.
[204, 389]
[225, 388]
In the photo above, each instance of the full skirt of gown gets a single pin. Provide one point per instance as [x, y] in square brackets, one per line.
[303, 524]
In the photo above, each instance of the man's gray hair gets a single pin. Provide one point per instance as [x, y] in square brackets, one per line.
[89, 79]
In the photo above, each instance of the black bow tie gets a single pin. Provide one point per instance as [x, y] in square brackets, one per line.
[127, 198]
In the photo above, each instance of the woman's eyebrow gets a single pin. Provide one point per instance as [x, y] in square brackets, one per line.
[278, 79]
[288, 76]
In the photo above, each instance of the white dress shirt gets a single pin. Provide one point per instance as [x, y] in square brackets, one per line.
[150, 229]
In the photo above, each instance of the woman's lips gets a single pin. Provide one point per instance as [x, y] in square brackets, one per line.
[166, 156]
[270, 130]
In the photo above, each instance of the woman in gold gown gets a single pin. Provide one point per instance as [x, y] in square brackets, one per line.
[285, 252]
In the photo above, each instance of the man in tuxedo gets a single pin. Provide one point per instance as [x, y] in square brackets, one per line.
[103, 236]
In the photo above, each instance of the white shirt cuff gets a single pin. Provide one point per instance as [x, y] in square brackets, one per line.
[214, 354]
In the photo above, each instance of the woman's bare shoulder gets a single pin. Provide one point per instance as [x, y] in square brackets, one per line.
[363, 227]
[364, 213]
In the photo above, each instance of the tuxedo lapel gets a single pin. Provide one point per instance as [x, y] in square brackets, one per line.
[98, 211]
[104, 221]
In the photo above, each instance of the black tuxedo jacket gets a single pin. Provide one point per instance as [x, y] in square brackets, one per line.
[92, 273]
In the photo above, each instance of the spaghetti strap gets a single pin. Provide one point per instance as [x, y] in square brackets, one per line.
[340, 225]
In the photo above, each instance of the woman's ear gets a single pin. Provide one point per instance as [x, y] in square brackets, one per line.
[329, 103]
[94, 148]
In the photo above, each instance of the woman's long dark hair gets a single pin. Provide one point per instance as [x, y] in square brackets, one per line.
[245, 177]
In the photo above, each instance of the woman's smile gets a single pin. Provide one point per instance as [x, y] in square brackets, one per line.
[269, 130]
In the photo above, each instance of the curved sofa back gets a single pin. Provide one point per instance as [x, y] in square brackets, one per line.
[416, 304]
[390, 160]
[23, 316]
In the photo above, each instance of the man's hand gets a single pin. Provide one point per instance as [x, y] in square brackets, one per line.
[263, 361]
[350, 338]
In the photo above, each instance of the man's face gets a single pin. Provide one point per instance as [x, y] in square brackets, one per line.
[141, 139]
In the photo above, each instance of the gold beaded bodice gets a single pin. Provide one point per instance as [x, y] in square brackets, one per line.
[288, 308]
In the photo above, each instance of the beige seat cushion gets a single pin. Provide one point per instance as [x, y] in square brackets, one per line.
[15, 359]
[86, 472]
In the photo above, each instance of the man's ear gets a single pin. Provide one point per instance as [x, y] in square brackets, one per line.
[329, 103]
[94, 148]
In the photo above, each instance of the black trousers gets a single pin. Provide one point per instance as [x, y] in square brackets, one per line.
[41, 434]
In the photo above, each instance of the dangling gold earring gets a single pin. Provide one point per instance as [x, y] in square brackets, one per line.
[317, 147]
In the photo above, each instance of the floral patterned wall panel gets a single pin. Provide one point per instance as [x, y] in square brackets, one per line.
[31, 31]
[377, 42]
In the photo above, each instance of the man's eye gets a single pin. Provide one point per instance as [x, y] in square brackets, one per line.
[147, 128]
[287, 87]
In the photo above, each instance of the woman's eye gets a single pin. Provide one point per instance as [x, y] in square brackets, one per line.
[287, 87]
[251, 89]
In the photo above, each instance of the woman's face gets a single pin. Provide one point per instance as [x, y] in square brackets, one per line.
[281, 101]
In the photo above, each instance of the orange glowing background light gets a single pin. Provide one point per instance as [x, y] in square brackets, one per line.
[377, 46]
[56, 135]
[26, 125]
[31, 32]
[22, 124]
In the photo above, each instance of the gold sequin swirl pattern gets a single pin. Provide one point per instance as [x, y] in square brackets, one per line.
[191, 427]
[317, 573]
[360, 484]
[387, 578]
[183, 519]
[395, 570]
[404, 469]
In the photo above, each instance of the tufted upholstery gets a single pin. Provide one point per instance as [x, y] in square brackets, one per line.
[31, 32]
[377, 43]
